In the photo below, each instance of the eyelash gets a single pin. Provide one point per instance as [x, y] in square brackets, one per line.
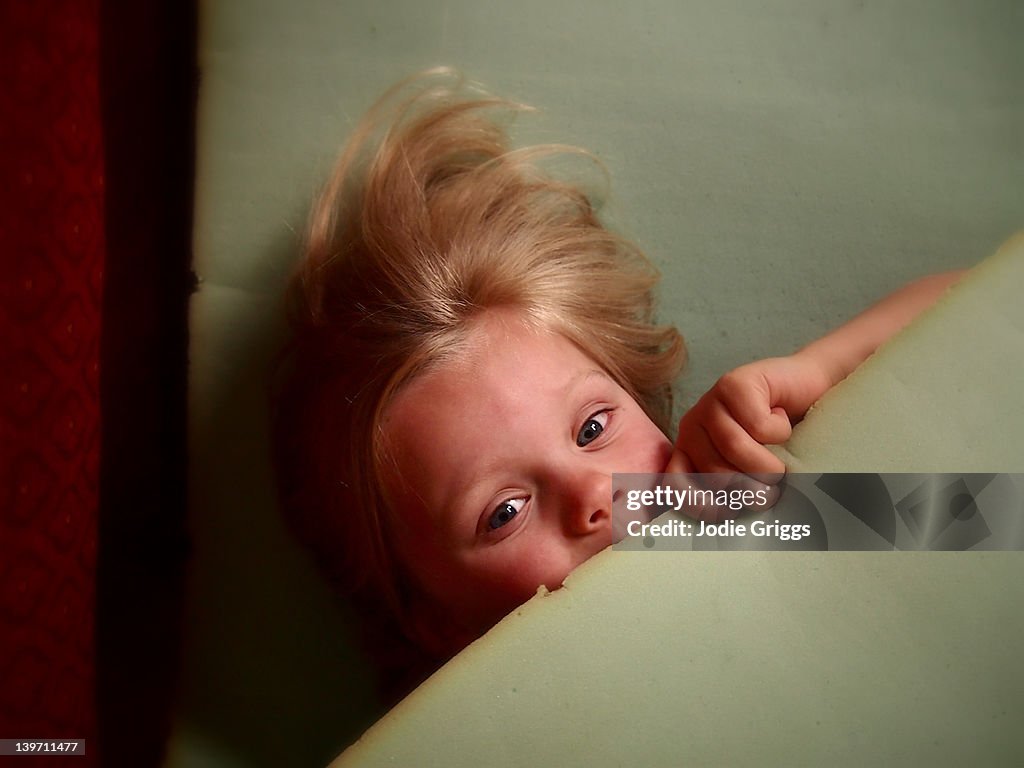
[593, 418]
[490, 526]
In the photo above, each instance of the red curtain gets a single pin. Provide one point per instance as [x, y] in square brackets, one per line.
[96, 109]
[51, 225]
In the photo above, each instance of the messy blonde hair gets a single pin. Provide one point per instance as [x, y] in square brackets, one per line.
[428, 220]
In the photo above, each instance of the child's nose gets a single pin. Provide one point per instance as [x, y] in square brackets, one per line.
[587, 501]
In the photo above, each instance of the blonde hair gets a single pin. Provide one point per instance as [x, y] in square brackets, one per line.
[428, 220]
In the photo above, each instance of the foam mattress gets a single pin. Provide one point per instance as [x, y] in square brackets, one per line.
[795, 658]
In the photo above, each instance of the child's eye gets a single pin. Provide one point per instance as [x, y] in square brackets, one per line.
[591, 428]
[504, 513]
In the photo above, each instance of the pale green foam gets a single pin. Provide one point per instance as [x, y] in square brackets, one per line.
[687, 658]
[943, 396]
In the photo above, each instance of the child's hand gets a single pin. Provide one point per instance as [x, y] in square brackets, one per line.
[756, 404]
[750, 407]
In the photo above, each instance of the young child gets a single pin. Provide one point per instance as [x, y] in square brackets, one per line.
[472, 356]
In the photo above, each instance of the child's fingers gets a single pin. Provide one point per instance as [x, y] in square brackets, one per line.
[697, 455]
[752, 458]
[763, 420]
[697, 441]
[683, 464]
[680, 464]
[741, 451]
[695, 438]
[709, 460]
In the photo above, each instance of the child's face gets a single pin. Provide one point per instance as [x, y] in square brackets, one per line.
[503, 462]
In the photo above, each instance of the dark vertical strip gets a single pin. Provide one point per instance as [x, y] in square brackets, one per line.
[148, 85]
[51, 259]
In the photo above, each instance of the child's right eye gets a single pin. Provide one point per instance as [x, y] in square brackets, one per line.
[504, 512]
[592, 428]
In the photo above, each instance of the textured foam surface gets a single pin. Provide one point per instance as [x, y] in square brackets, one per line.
[740, 659]
[669, 658]
[943, 396]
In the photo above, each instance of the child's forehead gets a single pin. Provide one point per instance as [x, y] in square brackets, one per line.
[507, 337]
[500, 367]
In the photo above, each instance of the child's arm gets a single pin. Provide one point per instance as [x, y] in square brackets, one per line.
[756, 404]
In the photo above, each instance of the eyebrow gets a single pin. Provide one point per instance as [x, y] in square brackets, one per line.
[577, 381]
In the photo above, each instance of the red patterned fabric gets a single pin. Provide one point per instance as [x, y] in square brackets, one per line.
[52, 235]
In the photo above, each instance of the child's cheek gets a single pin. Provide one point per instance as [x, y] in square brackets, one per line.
[548, 561]
[515, 575]
[650, 451]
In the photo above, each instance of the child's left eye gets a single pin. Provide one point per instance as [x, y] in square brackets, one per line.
[592, 428]
[504, 512]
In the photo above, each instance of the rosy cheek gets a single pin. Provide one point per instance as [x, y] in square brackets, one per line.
[656, 451]
[503, 595]
[534, 565]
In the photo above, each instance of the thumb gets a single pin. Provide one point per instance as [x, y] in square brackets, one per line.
[679, 463]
